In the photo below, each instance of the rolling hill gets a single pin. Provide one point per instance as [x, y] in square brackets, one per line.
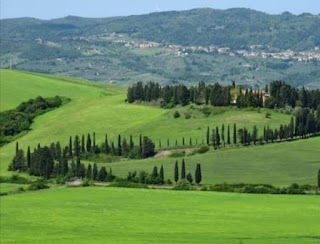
[101, 109]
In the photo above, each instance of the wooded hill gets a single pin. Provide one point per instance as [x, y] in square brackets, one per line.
[95, 48]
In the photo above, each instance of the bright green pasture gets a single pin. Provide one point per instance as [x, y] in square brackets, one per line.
[101, 108]
[278, 164]
[115, 215]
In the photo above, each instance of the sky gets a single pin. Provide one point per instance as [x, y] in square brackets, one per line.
[51, 9]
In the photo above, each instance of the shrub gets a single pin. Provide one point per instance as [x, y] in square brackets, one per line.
[127, 184]
[182, 185]
[87, 182]
[176, 114]
[39, 185]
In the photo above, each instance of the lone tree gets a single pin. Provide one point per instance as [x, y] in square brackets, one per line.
[183, 170]
[176, 172]
[319, 179]
[198, 174]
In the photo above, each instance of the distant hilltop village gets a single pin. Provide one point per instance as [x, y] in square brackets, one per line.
[251, 51]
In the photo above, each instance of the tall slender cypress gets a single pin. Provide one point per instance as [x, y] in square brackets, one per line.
[222, 135]
[83, 144]
[95, 172]
[319, 179]
[119, 149]
[28, 157]
[228, 135]
[176, 172]
[77, 146]
[234, 134]
[70, 147]
[183, 170]
[17, 147]
[208, 136]
[198, 176]
[131, 144]
[161, 175]
[89, 143]
[94, 143]
[106, 145]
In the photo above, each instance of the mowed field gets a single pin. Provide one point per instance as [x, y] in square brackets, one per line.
[101, 108]
[119, 215]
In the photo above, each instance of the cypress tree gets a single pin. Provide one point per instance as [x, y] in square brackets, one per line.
[140, 145]
[319, 179]
[64, 163]
[176, 172]
[161, 175]
[89, 143]
[159, 143]
[106, 145]
[190, 142]
[168, 143]
[182, 141]
[222, 135]
[58, 152]
[17, 147]
[95, 172]
[189, 178]
[125, 148]
[102, 175]
[183, 170]
[94, 143]
[154, 174]
[228, 136]
[217, 137]
[82, 144]
[28, 157]
[89, 172]
[254, 134]
[77, 147]
[234, 134]
[198, 174]
[131, 144]
[208, 136]
[112, 150]
[119, 146]
[70, 147]
[176, 142]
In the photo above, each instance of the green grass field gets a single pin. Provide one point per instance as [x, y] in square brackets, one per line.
[101, 108]
[118, 215]
[276, 164]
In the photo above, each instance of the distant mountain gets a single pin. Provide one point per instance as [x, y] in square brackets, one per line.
[90, 47]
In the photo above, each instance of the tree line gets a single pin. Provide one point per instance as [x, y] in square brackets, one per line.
[52, 161]
[170, 96]
[281, 94]
[305, 124]
[13, 122]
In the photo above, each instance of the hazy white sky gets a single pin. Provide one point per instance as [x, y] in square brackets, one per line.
[48, 9]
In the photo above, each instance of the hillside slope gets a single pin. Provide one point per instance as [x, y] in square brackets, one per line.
[179, 46]
[101, 109]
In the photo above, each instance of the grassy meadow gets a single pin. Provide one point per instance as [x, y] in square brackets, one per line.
[101, 108]
[119, 215]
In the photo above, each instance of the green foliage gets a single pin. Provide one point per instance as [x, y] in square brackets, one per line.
[176, 114]
[39, 185]
[182, 184]
[128, 184]
[15, 121]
